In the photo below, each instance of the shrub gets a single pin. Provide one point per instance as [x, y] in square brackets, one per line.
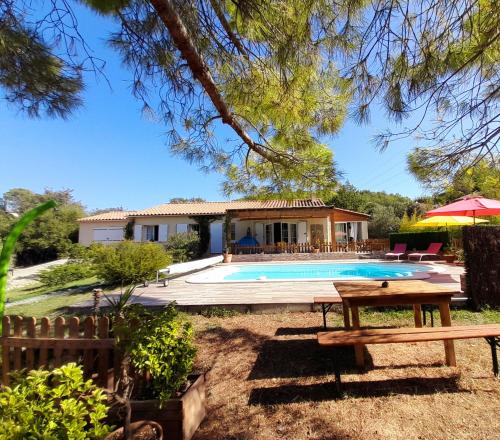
[183, 247]
[65, 273]
[129, 262]
[420, 240]
[163, 347]
[58, 404]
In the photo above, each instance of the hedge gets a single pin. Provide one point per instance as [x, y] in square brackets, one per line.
[420, 240]
[482, 265]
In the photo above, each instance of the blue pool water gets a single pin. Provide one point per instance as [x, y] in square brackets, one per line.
[325, 271]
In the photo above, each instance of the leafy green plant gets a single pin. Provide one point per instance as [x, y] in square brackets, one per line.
[58, 404]
[183, 246]
[218, 312]
[65, 273]
[128, 262]
[9, 244]
[162, 345]
[120, 302]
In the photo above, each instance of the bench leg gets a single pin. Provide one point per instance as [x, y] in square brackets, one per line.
[494, 343]
[338, 382]
[347, 320]
[449, 346]
[417, 314]
[359, 349]
[323, 309]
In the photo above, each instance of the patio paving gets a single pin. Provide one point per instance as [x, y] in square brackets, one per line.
[255, 297]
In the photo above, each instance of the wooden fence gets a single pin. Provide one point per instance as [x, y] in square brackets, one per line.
[29, 344]
[361, 246]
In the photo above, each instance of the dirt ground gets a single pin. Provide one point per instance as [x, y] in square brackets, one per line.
[269, 379]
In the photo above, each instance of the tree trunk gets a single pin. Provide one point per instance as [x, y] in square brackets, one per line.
[173, 22]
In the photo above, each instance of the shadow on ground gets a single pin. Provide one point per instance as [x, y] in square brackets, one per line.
[302, 358]
[318, 392]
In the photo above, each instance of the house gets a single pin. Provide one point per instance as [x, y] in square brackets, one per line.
[265, 222]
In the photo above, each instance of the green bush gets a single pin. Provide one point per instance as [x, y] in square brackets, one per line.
[183, 247]
[420, 240]
[65, 273]
[163, 347]
[54, 405]
[129, 262]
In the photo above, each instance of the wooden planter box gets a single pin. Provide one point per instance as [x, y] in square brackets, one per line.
[449, 258]
[179, 417]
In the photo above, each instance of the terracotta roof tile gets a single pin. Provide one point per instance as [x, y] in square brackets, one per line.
[220, 208]
[107, 216]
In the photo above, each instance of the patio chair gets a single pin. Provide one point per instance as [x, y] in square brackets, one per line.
[399, 249]
[431, 251]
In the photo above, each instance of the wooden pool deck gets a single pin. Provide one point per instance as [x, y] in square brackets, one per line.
[254, 297]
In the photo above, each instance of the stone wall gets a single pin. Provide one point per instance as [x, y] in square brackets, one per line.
[248, 258]
[482, 264]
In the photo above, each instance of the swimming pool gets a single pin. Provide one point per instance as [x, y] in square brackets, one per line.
[312, 272]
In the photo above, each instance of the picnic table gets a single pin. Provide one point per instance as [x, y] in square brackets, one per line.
[397, 293]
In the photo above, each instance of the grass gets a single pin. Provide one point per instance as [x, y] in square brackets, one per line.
[51, 305]
[37, 289]
[269, 379]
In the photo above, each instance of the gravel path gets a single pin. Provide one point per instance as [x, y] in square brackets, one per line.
[28, 275]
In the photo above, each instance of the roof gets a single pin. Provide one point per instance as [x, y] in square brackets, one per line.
[107, 216]
[220, 208]
[212, 208]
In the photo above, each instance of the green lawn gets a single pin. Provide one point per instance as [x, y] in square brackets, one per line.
[76, 291]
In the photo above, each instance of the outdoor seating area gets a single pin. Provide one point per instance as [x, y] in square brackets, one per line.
[354, 295]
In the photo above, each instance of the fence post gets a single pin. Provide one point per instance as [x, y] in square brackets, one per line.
[5, 350]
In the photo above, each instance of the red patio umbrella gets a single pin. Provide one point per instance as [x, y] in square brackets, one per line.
[468, 206]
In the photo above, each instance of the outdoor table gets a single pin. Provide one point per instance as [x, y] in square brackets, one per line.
[409, 292]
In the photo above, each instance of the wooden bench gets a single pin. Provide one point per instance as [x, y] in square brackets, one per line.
[490, 332]
[326, 304]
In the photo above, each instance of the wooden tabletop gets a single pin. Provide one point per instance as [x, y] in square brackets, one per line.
[357, 289]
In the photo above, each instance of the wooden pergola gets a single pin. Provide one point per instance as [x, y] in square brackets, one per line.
[335, 214]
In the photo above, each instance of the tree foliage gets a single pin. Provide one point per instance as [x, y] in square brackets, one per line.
[386, 210]
[279, 75]
[49, 236]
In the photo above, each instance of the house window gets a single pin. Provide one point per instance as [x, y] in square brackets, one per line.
[284, 232]
[293, 233]
[233, 232]
[150, 233]
[269, 234]
[194, 227]
[341, 232]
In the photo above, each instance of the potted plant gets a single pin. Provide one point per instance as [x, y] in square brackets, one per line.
[449, 255]
[156, 381]
[316, 247]
[228, 257]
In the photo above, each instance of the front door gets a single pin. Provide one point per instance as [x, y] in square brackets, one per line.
[216, 238]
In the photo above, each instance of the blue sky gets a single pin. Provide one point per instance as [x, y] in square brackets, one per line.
[110, 155]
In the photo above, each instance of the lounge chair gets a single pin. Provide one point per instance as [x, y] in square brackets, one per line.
[399, 249]
[431, 251]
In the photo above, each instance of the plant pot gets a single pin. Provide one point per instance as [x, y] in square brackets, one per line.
[227, 258]
[315, 250]
[141, 430]
[449, 258]
[179, 417]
